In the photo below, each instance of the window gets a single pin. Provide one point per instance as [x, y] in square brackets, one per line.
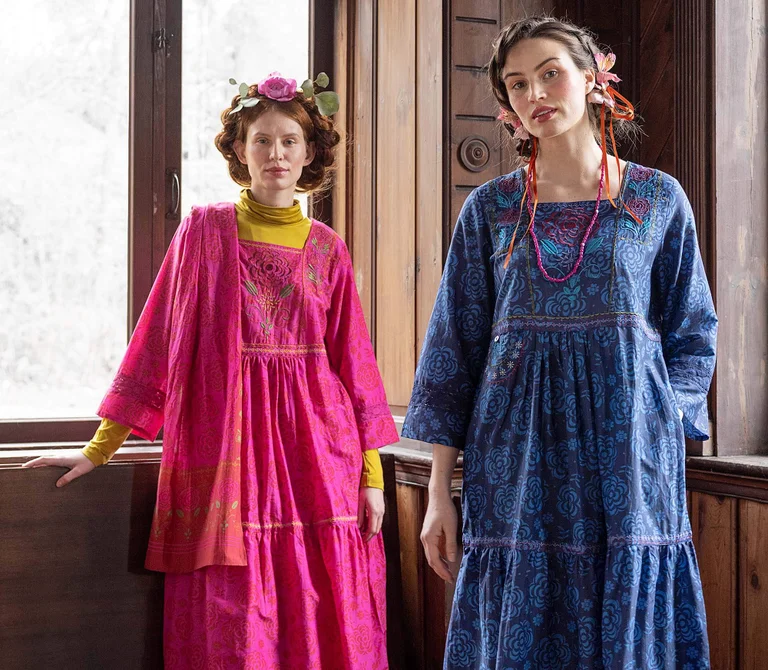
[99, 113]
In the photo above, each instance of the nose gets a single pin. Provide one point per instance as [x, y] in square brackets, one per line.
[535, 92]
[276, 153]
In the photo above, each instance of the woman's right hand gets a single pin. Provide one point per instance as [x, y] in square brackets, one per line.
[77, 462]
[438, 535]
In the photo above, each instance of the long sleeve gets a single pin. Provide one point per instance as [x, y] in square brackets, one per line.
[137, 395]
[109, 437]
[351, 356]
[456, 345]
[683, 302]
[373, 474]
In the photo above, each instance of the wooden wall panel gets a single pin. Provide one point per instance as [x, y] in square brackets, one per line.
[361, 165]
[73, 589]
[411, 514]
[429, 160]
[715, 533]
[396, 198]
[741, 242]
[753, 615]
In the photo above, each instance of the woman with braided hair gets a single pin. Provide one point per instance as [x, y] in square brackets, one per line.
[253, 353]
[570, 352]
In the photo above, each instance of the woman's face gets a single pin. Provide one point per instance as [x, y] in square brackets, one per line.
[545, 87]
[275, 151]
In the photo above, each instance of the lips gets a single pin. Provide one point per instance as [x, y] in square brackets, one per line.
[543, 114]
[277, 171]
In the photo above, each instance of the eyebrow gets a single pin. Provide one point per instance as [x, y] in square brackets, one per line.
[539, 66]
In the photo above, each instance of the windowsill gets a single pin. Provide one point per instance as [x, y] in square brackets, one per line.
[742, 466]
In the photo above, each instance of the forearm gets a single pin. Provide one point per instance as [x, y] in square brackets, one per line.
[443, 465]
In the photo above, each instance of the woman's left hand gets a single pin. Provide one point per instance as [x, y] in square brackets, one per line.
[370, 505]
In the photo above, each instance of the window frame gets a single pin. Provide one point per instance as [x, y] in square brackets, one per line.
[154, 178]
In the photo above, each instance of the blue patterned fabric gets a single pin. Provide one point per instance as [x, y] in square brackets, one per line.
[567, 400]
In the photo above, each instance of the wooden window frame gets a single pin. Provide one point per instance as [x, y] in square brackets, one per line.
[154, 177]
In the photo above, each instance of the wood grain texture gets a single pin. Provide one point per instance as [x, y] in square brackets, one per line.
[360, 232]
[741, 242]
[396, 198]
[73, 589]
[753, 619]
[714, 523]
[429, 161]
[411, 515]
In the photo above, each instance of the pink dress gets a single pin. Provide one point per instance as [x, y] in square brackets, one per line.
[312, 592]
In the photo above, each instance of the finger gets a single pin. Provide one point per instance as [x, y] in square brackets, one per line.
[68, 477]
[433, 559]
[361, 513]
[374, 526]
[451, 548]
[39, 462]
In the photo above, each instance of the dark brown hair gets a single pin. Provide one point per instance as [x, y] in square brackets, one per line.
[581, 45]
[318, 129]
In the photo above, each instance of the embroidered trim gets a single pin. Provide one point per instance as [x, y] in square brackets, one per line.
[638, 235]
[282, 349]
[299, 524]
[580, 549]
[132, 388]
[575, 323]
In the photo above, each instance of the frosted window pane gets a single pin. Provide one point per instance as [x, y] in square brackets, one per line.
[63, 204]
[243, 39]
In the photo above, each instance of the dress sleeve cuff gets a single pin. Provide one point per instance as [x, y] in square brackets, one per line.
[435, 425]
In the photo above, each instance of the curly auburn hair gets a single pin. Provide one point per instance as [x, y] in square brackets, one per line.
[318, 130]
[582, 47]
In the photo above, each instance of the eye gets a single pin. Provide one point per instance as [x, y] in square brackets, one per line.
[550, 74]
[290, 143]
[518, 85]
[261, 140]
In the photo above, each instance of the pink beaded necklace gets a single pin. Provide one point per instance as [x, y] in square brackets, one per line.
[582, 246]
[531, 186]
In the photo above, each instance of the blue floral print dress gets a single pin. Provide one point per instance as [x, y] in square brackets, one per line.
[571, 402]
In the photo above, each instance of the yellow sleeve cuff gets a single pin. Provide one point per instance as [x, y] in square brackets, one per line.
[109, 437]
[373, 474]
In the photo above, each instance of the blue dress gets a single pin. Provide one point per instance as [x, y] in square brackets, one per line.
[571, 402]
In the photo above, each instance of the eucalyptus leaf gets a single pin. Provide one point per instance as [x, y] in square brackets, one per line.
[327, 103]
[232, 81]
[244, 90]
[322, 80]
[307, 89]
[249, 102]
[235, 110]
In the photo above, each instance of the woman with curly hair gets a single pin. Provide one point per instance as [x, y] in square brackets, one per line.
[570, 352]
[253, 353]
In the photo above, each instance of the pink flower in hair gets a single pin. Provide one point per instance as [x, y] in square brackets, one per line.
[512, 119]
[276, 87]
[604, 63]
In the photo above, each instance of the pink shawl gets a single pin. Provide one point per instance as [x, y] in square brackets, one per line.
[182, 370]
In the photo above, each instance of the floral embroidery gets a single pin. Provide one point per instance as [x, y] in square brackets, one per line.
[313, 274]
[324, 249]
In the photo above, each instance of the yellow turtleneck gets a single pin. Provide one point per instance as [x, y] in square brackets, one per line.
[288, 227]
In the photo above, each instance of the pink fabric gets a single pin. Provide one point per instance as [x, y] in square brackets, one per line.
[182, 369]
[313, 592]
[268, 419]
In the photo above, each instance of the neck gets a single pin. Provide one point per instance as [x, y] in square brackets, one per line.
[272, 198]
[571, 158]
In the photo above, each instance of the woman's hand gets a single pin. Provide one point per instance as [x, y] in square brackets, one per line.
[370, 506]
[438, 535]
[77, 462]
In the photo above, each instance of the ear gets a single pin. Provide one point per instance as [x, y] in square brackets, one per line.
[310, 153]
[239, 148]
[589, 81]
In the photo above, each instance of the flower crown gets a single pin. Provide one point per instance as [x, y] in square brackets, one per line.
[276, 87]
